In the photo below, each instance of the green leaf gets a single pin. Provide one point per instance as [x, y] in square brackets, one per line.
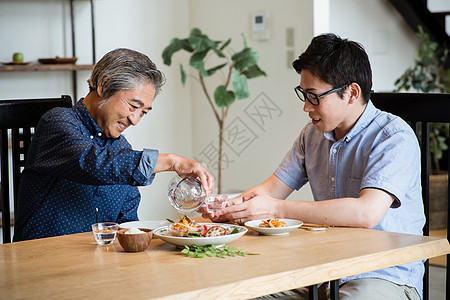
[194, 234]
[183, 75]
[240, 87]
[222, 97]
[219, 53]
[224, 45]
[201, 42]
[245, 59]
[244, 40]
[254, 71]
[185, 45]
[174, 46]
[195, 31]
[215, 69]
[197, 61]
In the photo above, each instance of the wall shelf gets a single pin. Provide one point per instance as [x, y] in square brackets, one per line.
[40, 67]
[37, 67]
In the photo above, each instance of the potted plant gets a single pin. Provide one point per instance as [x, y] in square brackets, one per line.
[237, 66]
[430, 75]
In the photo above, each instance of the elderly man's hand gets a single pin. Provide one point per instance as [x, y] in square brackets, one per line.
[186, 167]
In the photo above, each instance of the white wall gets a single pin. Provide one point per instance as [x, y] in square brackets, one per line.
[181, 122]
[389, 42]
[268, 142]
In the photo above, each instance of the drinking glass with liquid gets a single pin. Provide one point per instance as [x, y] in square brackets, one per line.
[214, 202]
[105, 233]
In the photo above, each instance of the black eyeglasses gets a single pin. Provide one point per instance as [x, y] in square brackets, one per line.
[313, 98]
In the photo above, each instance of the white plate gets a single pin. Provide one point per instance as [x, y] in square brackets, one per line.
[145, 224]
[163, 234]
[291, 225]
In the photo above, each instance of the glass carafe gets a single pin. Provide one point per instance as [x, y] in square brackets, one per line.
[186, 194]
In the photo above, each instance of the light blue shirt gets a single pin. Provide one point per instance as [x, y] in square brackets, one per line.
[381, 151]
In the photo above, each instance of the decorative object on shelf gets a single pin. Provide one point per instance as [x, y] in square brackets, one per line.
[235, 68]
[58, 60]
[17, 57]
[430, 75]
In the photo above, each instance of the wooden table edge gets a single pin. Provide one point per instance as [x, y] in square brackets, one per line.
[259, 286]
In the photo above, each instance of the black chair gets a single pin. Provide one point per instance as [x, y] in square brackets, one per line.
[18, 118]
[419, 110]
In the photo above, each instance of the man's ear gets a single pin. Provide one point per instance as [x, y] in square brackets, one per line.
[355, 92]
[100, 86]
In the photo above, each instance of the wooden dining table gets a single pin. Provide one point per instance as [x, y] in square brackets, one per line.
[75, 267]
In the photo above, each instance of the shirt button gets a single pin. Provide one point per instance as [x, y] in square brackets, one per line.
[334, 150]
[99, 134]
[333, 179]
[91, 137]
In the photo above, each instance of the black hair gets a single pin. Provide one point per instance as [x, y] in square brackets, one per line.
[337, 62]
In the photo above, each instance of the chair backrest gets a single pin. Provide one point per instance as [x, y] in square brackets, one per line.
[18, 118]
[419, 110]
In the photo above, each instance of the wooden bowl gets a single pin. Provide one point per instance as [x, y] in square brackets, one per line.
[134, 242]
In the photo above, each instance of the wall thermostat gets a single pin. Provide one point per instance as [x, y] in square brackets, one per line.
[260, 26]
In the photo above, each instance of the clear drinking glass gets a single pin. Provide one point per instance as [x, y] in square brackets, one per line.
[105, 233]
[214, 203]
[186, 194]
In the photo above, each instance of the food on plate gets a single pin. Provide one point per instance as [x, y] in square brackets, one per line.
[185, 227]
[272, 223]
[216, 231]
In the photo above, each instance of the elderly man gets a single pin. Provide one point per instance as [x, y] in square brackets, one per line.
[80, 169]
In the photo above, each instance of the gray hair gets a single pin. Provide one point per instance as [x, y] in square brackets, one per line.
[124, 69]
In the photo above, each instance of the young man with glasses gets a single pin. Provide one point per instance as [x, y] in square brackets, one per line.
[363, 166]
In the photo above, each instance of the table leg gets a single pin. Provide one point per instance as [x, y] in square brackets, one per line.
[334, 289]
[313, 292]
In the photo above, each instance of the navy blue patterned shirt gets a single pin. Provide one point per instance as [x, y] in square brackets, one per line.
[74, 176]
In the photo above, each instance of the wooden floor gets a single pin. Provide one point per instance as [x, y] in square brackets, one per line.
[441, 260]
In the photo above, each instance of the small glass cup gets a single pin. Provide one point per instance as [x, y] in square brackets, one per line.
[214, 202]
[105, 233]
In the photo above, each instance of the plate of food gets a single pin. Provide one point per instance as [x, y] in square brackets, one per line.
[273, 226]
[184, 232]
[144, 224]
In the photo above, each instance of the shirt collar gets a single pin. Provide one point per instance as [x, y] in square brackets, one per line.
[86, 118]
[363, 121]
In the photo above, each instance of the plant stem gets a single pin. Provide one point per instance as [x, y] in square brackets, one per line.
[230, 71]
[202, 83]
[221, 122]
[219, 175]
[221, 139]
